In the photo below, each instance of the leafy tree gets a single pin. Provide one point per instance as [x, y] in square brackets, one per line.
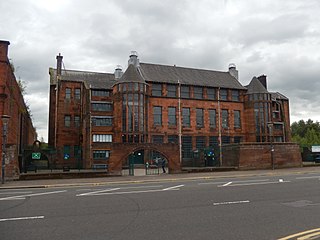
[306, 133]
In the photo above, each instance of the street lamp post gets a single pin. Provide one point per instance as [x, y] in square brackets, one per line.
[5, 120]
[270, 125]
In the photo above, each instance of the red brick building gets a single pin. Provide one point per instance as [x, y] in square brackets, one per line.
[187, 116]
[20, 131]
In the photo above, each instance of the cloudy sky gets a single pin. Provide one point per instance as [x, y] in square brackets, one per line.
[278, 38]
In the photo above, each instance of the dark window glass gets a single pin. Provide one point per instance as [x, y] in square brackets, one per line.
[102, 121]
[186, 147]
[225, 118]
[199, 117]
[237, 119]
[237, 139]
[101, 154]
[157, 116]
[200, 142]
[198, 92]
[156, 89]
[157, 139]
[171, 91]
[186, 117]
[213, 141]
[185, 92]
[77, 121]
[104, 107]
[68, 93]
[223, 94]
[66, 152]
[67, 120]
[173, 139]
[77, 93]
[212, 118]
[77, 151]
[225, 139]
[100, 93]
[235, 95]
[172, 116]
[211, 93]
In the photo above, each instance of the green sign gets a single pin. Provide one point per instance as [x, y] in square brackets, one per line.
[36, 155]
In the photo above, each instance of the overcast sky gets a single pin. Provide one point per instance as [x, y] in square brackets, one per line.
[278, 38]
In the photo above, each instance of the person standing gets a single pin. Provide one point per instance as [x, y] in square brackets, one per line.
[163, 164]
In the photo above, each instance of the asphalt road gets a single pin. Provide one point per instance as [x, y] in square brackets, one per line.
[266, 207]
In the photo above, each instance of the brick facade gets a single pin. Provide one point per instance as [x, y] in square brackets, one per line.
[20, 131]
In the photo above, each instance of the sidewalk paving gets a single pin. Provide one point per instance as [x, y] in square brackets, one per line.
[48, 183]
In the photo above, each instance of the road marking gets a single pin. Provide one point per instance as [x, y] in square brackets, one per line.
[14, 193]
[234, 202]
[172, 188]
[30, 195]
[309, 236]
[244, 181]
[308, 177]
[226, 184]
[21, 218]
[249, 184]
[300, 234]
[98, 192]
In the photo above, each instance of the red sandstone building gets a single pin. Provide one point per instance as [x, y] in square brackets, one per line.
[19, 131]
[190, 117]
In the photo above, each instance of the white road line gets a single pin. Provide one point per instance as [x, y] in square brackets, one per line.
[207, 183]
[226, 184]
[14, 192]
[254, 183]
[227, 203]
[30, 195]
[244, 181]
[172, 188]
[21, 218]
[308, 177]
[97, 192]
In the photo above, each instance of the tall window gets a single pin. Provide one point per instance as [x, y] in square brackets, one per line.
[237, 119]
[77, 151]
[67, 120]
[185, 92]
[200, 142]
[198, 92]
[199, 117]
[157, 116]
[212, 118]
[186, 147]
[235, 95]
[171, 91]
[157, 139]
[156, 89]
[225, 118]
[101, 154]
[102, 138]
[77, 93]
[77, 121]
[103, 107]
[172, 116]
[223, 94]
[173, 139]
[68, 93]
[211, 93]
[186, 117]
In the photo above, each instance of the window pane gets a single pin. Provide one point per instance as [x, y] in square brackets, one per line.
[76, 121]
[223, 94]
[198, 92]
[186, 147]
[102, 121]
[173, 139]
[212, 118]
[235, 95]
[211, 92]
[199, 117]
[157, 115]
[68, 93]
[237, 120]
[67, 121]
[200, 142]
[100, 93]
[103, 107]
[77, 93]
[172, 116]
[101, 154]
[156, 89]
[172, 90]
[225, 118]
[185, 92]
[157, 139]
[186, 117]
[101, 138]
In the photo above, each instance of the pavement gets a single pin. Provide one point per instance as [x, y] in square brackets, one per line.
[140, 178]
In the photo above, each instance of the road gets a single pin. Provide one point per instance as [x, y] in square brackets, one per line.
[265, 207]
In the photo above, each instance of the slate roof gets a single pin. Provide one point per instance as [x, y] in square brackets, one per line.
[277, 95]
[255, 86]
[188, 76]
[92, 79]
[131, 75]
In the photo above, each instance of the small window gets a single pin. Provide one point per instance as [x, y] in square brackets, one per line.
[235, 95]
[77, 93]
[105, 121]
[66, 152]
[157, 139]
[77, 121]
[237, 119]
[211, 93]
[198, 92]
[212, 118]
[186, 117]
[199, 117]
[102, 138]
[223, 94]
[101, 154]
[171, 91]
[156, 89]
[102, 107]
[172, 116]
[157, 116]
[68, 93]
[173, 139]
[185, 92]
[100, 93]
[67, 120]
[225, 118]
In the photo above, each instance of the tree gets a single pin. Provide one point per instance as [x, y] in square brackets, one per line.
[306, 133]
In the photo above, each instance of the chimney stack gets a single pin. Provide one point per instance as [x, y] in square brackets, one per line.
[133, 59]
[118, 72]
[263, 80]
[59, 64]
[4, 50]
[233, 71]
